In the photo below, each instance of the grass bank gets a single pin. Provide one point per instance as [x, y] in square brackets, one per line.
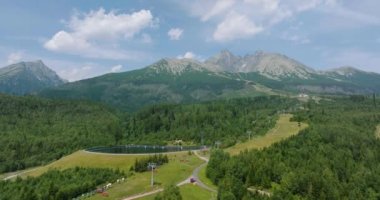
[283, 129]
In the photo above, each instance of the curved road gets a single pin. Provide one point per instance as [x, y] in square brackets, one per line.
[186, 181]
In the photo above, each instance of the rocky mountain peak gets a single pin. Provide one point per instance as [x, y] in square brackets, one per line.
[176, 66]
[26, 77]
[223, 61]
[271, 65]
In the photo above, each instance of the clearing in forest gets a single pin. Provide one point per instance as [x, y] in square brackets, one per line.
[377, 133]
[283, 129]
[180, 166]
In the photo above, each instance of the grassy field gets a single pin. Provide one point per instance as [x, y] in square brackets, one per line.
[85, 159]
[178, 169]
[282, 130]
[377, 134]
[190, 192]
[205, 180]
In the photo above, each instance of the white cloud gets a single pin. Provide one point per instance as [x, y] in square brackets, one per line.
[175, 33]
[65, 42]
[96, 34]
[218, 8]
[116, 68]
[188, 55]
[234, 19]
[14, 58]
[235, 26]
[76, 73]
[100, 25]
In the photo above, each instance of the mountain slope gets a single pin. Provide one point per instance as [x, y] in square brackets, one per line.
[271, 65]
[222, 76]
[27, 77]
[166, 81]
[280, 72]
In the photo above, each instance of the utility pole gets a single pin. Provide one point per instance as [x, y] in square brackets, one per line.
[249, 135]
[152, 166]
[218, 143]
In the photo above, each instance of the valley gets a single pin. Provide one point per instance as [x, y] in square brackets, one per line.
[283, 131]
[190, 100]
[256, 127]
[180, 167]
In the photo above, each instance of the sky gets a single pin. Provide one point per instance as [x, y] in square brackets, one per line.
[82, 38]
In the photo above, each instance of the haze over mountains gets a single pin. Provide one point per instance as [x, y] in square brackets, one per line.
[188, 80]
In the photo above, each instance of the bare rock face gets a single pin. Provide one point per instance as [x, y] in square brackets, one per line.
[272, 65]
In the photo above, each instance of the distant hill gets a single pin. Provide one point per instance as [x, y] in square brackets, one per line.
[27, 77]
[221, 76]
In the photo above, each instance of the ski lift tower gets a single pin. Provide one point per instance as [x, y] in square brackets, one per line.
[152, 166]
[249, 135]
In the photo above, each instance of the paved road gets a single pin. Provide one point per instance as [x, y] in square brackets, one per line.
[196, 173]
[199, 182]
[186, 181]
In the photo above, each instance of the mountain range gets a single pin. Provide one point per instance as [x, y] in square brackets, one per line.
[221, 76]
[27, 77]
[169, 80]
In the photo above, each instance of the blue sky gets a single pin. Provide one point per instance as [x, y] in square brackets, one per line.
[81, 39]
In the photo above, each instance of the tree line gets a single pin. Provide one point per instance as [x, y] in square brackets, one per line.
[205, 123]
[337, 157]
[34, 131]
[58, 185]
[141, 165]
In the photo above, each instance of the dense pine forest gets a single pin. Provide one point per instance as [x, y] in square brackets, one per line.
[337, 157]
[34, 131]
[226, 121]
[54, 184]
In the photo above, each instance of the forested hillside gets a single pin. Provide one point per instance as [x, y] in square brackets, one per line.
[34, 131]
[56, 185]
[226, 121]
[335, 158]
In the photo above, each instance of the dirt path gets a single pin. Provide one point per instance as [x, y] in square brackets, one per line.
[18, 174]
